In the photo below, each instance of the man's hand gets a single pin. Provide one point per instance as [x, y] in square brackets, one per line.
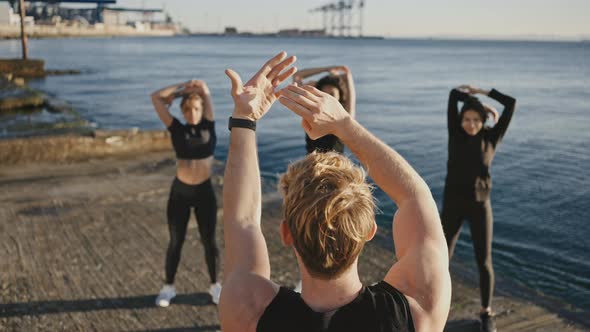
[322, 114]
[255, 98]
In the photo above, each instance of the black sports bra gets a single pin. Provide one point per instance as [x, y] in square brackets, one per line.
[188, 140]
[324, 144]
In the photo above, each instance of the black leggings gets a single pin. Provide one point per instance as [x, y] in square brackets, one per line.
[479, 214]
[202, 198]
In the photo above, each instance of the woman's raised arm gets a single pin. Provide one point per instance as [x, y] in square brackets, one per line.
[162, 99]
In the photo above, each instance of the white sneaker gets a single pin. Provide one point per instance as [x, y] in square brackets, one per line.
[167, 293]
[298, 287]
[215, 292]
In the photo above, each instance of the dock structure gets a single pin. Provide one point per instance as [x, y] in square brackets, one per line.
[343, 18]
[46, 12]
[50, 18]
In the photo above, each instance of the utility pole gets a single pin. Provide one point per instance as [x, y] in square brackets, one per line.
[362, 17]
[23, 35]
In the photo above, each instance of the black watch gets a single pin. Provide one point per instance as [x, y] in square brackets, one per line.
[241, 123]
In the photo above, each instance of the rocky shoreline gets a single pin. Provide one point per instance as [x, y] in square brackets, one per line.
[25, 111]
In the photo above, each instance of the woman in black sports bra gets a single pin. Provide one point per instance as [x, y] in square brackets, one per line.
[194, 144]
[340, 85]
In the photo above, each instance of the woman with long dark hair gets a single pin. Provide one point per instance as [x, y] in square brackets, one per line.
[468, 184]
[340, 85]
[194, 144]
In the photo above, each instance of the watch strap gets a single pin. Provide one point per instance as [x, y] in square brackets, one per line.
[241, 123]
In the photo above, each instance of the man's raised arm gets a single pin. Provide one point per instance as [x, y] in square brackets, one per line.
[421, 272]
[246, 256]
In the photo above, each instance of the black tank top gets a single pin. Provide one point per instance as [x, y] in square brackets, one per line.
[188, 140]
[378, 308]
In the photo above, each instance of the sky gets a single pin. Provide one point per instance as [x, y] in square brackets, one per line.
[542, 19]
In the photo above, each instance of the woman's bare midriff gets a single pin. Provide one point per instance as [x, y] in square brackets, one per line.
[194, 171]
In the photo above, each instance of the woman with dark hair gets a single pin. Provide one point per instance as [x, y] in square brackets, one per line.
[468, 184]
[340, 85]
[194, 144]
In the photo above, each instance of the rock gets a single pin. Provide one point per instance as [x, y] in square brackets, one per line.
[110, 133]
[54, 72]
[18, 81]
[20, 98]
[57, 105]
[23, 68]
[72, 147]
[5, 81]
[114, 140]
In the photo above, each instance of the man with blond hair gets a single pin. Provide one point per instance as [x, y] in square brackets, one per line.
[328, 217]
